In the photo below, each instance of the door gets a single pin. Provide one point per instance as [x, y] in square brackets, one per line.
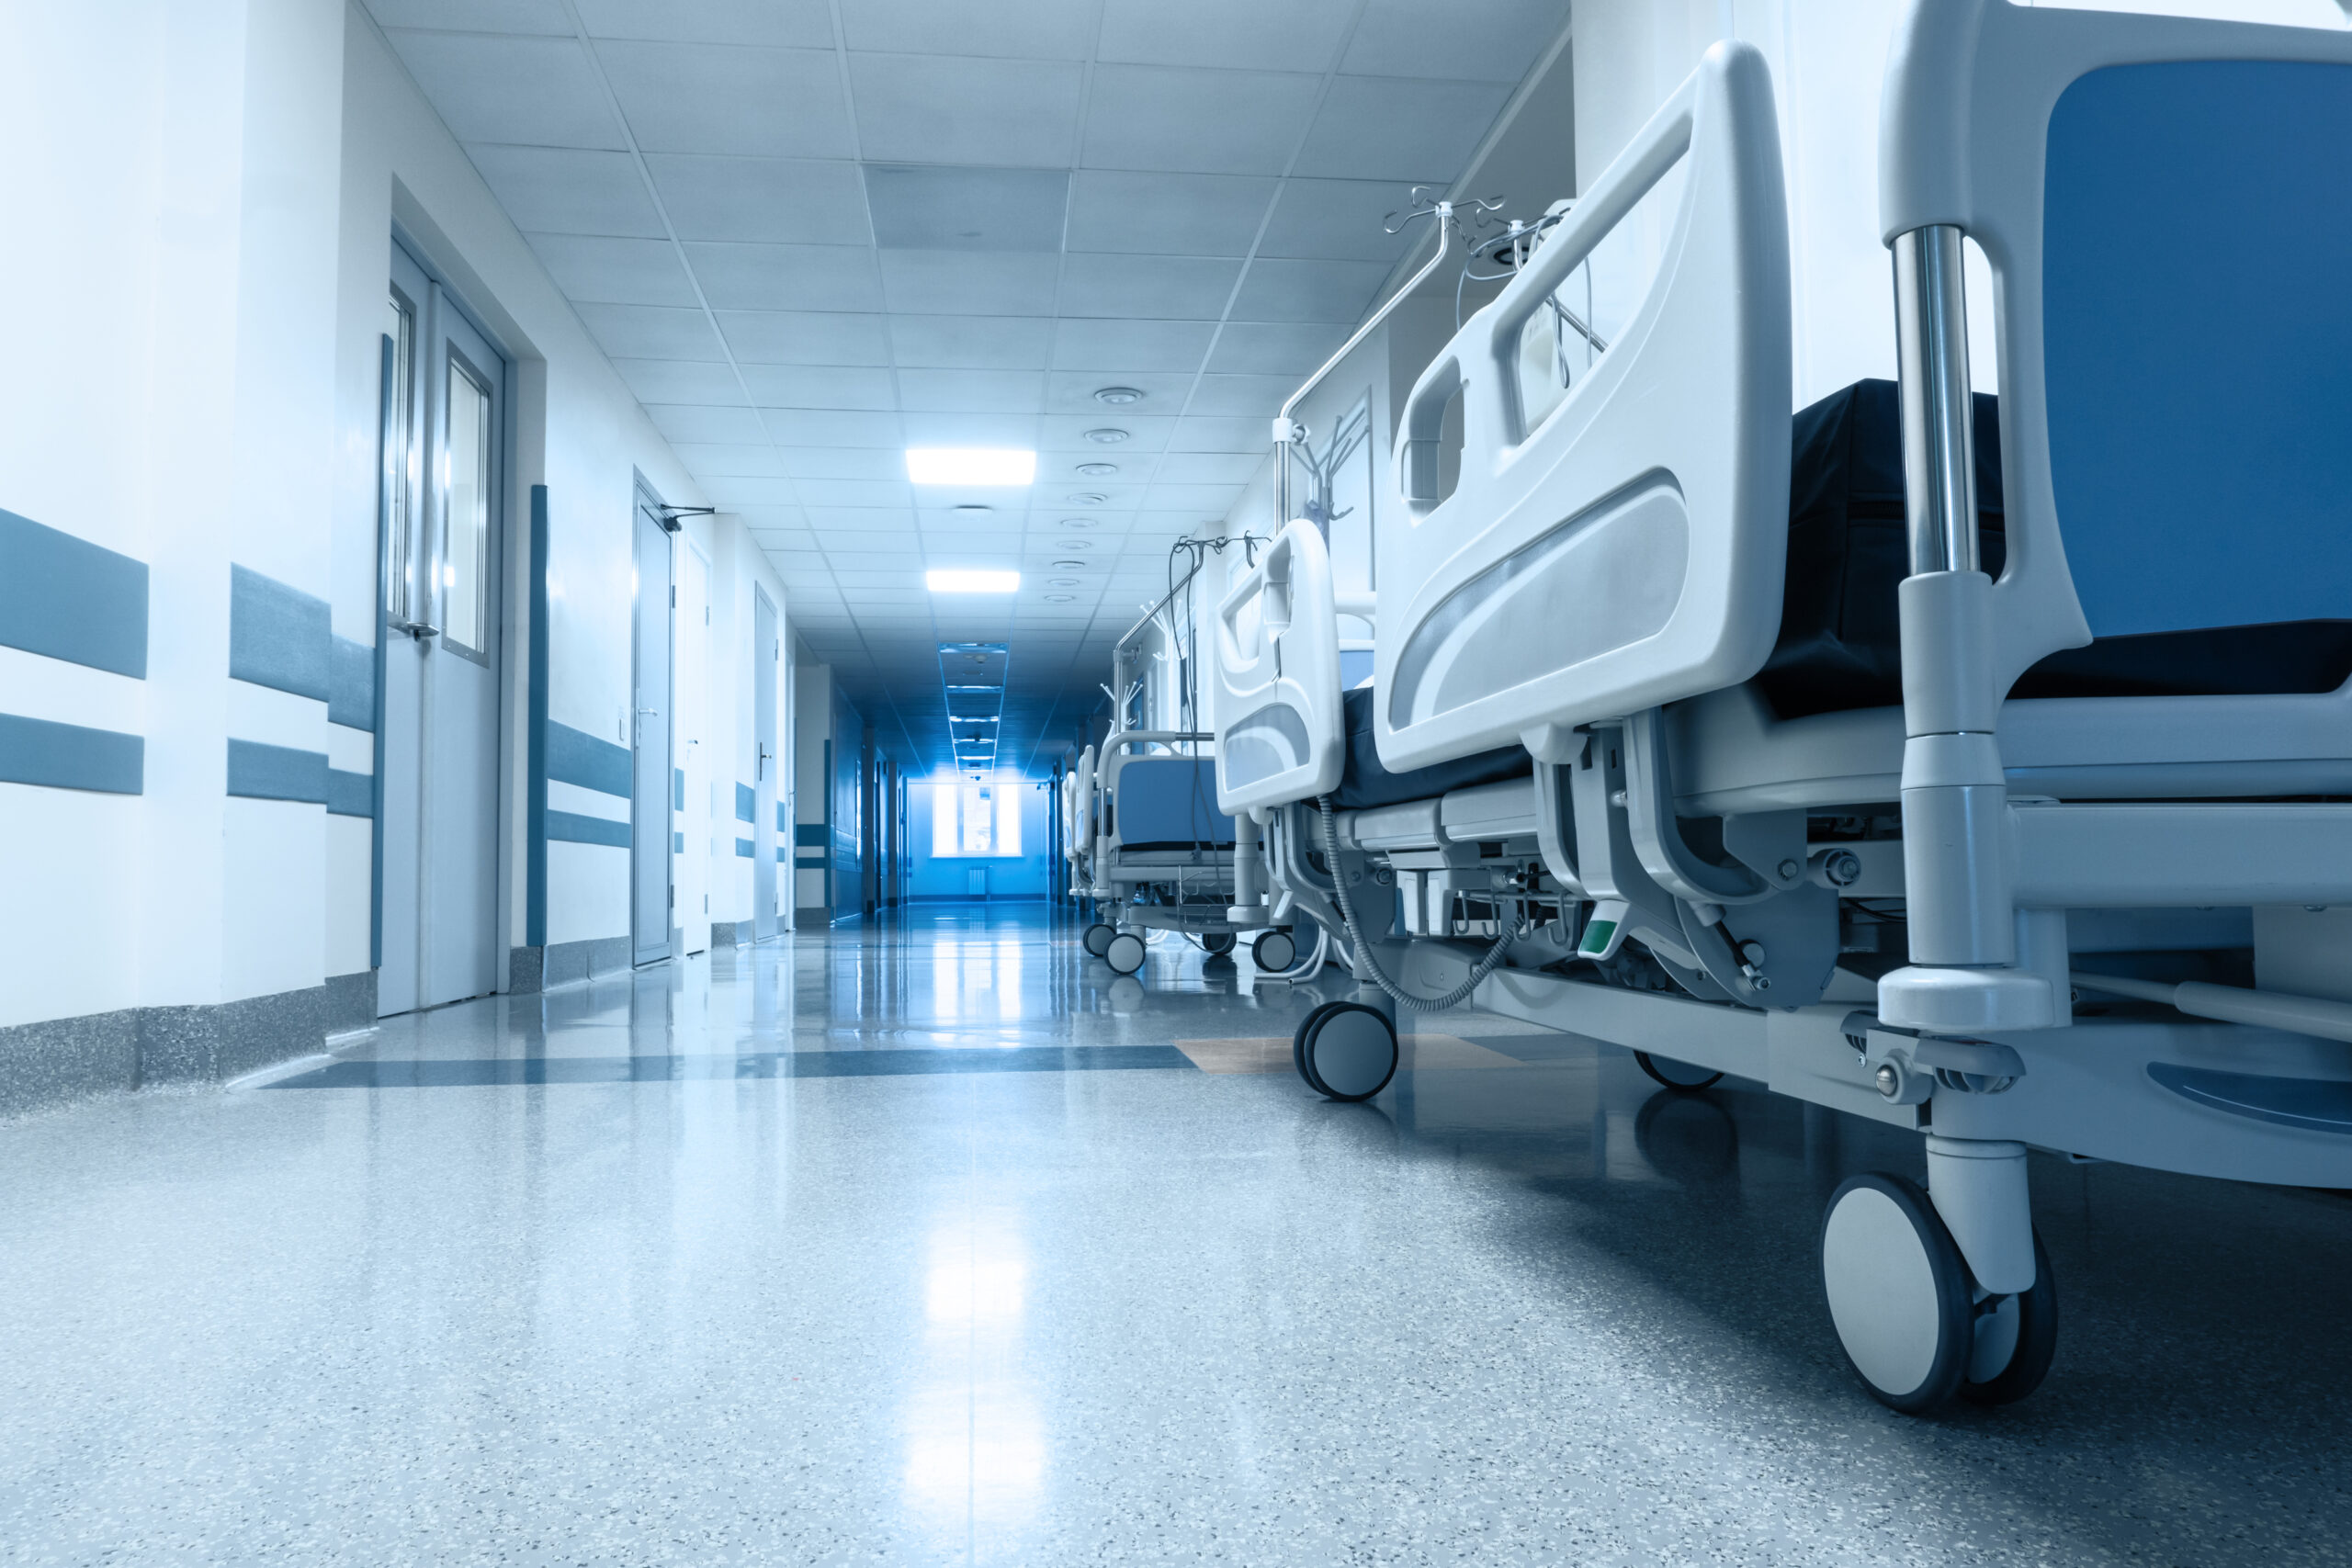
[763, 763]
[692, 791]
[442, 549]
[652, 781]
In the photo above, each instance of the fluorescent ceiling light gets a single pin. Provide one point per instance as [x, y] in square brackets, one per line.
[970, 466]
[971, 582]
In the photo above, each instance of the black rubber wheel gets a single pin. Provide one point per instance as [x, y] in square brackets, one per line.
[1218, 944]
[1097, 939]
[1273, 951]
[1681, 1077]
[1124, 952]
[1298, 1046]
[2017, 1334]
[1350, 1049]
[1899, 1295]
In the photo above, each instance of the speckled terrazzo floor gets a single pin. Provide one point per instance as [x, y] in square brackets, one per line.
[1094, 1306]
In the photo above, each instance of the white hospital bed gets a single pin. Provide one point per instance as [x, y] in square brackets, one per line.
[1986, 878]
[1164, 858]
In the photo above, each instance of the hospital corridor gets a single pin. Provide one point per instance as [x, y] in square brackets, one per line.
[1257, 782]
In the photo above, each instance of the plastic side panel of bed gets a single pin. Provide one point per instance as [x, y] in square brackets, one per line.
[1274, 695]
[1628, 551]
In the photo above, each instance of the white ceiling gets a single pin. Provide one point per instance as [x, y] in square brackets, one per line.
[813, 233]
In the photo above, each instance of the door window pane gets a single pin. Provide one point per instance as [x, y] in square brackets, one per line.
[464, 541]
[399, 464]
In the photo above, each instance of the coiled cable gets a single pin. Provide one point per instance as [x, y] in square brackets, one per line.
[1404, 998]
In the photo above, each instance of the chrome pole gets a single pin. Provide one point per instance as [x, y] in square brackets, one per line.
[1938, 437]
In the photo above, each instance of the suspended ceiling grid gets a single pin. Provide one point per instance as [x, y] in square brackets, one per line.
[813, 233]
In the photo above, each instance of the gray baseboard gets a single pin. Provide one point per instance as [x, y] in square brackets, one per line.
[816, 917]
[351, 1001]
[564, 964]
[722, 932]
[50, 1063]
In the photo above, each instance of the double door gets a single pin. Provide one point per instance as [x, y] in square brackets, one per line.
[444, 412]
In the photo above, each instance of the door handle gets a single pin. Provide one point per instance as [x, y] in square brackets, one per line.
[416, 629]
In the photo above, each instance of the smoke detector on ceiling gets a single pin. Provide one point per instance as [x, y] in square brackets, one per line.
[1117, 397]
[1098, 470]
[1106, 435]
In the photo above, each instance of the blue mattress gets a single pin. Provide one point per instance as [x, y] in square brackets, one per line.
[1169, 802]
[1367, 784]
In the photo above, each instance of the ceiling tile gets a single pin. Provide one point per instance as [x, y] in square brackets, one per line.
[676, 381]
[1208, 468]
[1214, 433]
[1279, 289]
[1378, 129]
[981, 392]
[974, 342]
[855, 492]
[538, 92]
[1280, 35]
[1280, 348]
[1344, 219]
[786, 278]
[710, 462]
[855, 522]
[694, 422]
[1482, 40]
[806, 337]
[1185, 215]
[653, 331]
[1194, 287]
[805, 24]
[1209, 500]
[936, 208]
[1081, 344]
[771, 201]
[1244, 395]
[1214, 122]
[593, 269]
[1073, 391]
[914, 109]
[748, 491]
[474, 16]
[966, 283]
[971, 428]
[842, 462]
[701, 98]
[820, 386]
[1031, 30]
[833, 427]
[560, 190]
[1066, 435]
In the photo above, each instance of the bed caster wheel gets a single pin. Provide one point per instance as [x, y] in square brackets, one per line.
[1124, 952]
[1273, 951]
[1097, 939]
[1898, 1292]
[1679, 1076]
[2015, 1339]
[1298, 1045]
[1347, 1050]
[1218, 944]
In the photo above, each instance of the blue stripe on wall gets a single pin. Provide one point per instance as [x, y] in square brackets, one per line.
[677, 789]
[782, 825]
[811, 835]
[279, 636]
[677, 844]
[783, 853]
[277, 772]
[351, 683]
[351, 794]
[572, 827]
[747, 803]
[67, 756]
[745, 848]
[66, 598]
[575, 757]
[534, 745]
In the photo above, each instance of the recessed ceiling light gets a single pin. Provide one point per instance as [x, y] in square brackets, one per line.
[975, 507]
[1074, 544]
[1079, 523]
[1067, 564]
[952, 581]
[1059, 598]
[1117, 397]
[1087, 498]
[1106, 435]
[970, 466]
[1098, 470]
[1061, 582]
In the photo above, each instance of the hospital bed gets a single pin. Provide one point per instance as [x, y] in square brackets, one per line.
[1164, 858]
[1973, 765]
